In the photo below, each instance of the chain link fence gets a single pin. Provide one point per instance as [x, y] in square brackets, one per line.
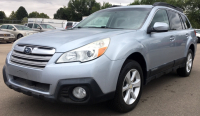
[5, 21]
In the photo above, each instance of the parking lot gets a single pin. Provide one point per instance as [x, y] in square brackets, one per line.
[169, 95]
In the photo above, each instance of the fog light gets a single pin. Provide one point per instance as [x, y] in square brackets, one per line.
[79, 92]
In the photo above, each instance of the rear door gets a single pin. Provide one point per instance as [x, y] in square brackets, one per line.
[181, 36]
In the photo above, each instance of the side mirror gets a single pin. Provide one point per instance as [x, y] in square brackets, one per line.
[159, 27]
[39, 28]
[13, 29]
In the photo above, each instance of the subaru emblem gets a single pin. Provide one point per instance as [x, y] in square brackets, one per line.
[28, 50]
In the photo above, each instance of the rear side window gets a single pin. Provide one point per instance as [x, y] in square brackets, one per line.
[186, 22]
[30, 25]
[160, 16]
[4, 26]
[175, 22]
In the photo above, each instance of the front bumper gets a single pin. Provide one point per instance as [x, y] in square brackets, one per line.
[99, 76]
[7, 39]
[94, 93]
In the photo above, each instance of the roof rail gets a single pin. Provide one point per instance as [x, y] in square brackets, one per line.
[167, 5]
[115, 6]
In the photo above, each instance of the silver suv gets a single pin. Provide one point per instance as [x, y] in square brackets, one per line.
[109, 56]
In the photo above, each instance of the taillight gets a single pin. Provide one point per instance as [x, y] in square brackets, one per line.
[195, 32]
[66, 27]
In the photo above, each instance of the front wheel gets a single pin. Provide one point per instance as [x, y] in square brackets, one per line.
[186, 70]
[19, 36]
[129, 87]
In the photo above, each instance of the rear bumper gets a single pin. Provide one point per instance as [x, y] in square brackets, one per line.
[94, 93]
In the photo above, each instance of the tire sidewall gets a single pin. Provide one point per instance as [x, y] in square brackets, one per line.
[189, 51]
[126, 68]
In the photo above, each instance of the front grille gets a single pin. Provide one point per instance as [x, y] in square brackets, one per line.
[4, 35]
[31, 84]
[39, 57]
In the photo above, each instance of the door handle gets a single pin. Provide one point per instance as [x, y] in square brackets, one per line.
[187, 35]
[172, 38]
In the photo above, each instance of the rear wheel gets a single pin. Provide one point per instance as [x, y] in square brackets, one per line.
[198, 39]
[129, 87]
[186, 70]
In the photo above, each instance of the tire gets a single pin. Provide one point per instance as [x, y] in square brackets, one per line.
[121, 103]
[19, 36]
[198, 39]
[186, 70]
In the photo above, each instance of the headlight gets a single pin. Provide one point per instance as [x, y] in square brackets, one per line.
[12, 35]
[86, 53]
[26, 34]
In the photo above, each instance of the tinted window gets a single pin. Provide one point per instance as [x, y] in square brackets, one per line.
[186, 22]
[160, 16]
[36, 26]
[69, 24]
[10, 27]
[30, 25]
[4, 26]
[175, 21]
[22, 27]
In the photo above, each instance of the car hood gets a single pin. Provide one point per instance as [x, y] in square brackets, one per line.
[65, 40]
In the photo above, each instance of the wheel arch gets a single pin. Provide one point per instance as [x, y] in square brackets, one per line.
[138, 57]
[192, 47]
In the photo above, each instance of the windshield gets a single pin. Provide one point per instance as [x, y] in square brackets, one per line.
[47, 26]
[21, 27]
[122, 18]
[198, 31]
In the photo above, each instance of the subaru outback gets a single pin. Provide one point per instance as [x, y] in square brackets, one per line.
[109, 56]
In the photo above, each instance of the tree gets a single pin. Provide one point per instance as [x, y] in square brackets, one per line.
[2, 15]
[96, 7]
[106, 5]
[43, 15]
[21, 13]
[24, 20]
[12, 16]
[34, 14]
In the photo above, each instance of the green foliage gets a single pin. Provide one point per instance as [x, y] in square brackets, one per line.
[76, 9]
[35, 14]
[2, 15]
[106, 5]
[12, 16]
[24, 20]
[21, 13]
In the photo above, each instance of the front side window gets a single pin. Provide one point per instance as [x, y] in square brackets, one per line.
[175, 22]
[10, 27]
[30, 25]
[123, 18]
[160, 16]
[47, 26]
[22, 27]
[36, 26]
[4, 26]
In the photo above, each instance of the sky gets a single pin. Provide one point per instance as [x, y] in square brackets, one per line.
[48, 7]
